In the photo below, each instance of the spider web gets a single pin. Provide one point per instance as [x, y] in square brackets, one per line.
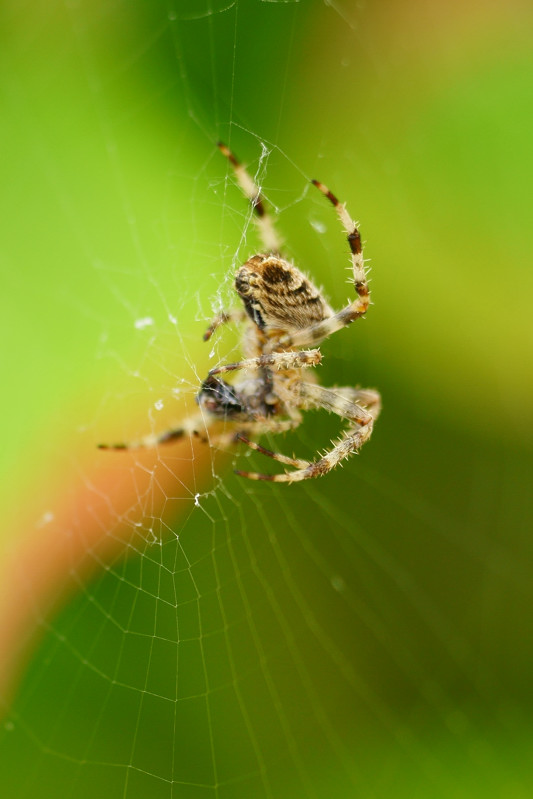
[171, 630]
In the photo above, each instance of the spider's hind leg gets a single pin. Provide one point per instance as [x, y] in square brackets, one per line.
[367, 398]
[342, 403]
[295, 462]
[263, 220]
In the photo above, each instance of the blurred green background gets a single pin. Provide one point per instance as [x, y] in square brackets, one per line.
[366, 635]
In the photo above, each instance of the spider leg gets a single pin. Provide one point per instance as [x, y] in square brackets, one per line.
[197, 426]
[263, 220]
[299, 464]
[236, 315]
[259, 427]
[334, 401]
[316, 333]
[354, 241]
[368, 398]
[277, 360]
[340, 403]
[193, 426]
[313, 335]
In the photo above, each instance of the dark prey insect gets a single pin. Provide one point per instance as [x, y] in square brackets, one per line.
[283, 313]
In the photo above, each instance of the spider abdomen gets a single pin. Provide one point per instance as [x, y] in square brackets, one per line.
[277, 295]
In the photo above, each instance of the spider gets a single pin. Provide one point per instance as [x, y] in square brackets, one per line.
[282, 313]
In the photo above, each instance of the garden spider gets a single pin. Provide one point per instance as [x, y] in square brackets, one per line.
[282, 312]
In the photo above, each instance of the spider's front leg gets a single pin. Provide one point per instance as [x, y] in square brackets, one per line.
[263, 220]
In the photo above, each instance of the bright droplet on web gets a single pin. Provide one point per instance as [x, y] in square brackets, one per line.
[146, 321]
[318, 225]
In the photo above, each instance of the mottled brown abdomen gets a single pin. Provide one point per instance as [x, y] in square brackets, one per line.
[278, 295]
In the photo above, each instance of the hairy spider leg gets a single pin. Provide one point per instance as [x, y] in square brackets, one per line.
[368, 398]
[197, 426]
[265, 226]
[277, 360]
[334, 401]
[235, 315]
[299, 464]
[192, 426]
[321, 330]
[354, 241]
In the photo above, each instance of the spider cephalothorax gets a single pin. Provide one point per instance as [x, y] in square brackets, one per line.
[282, 312]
